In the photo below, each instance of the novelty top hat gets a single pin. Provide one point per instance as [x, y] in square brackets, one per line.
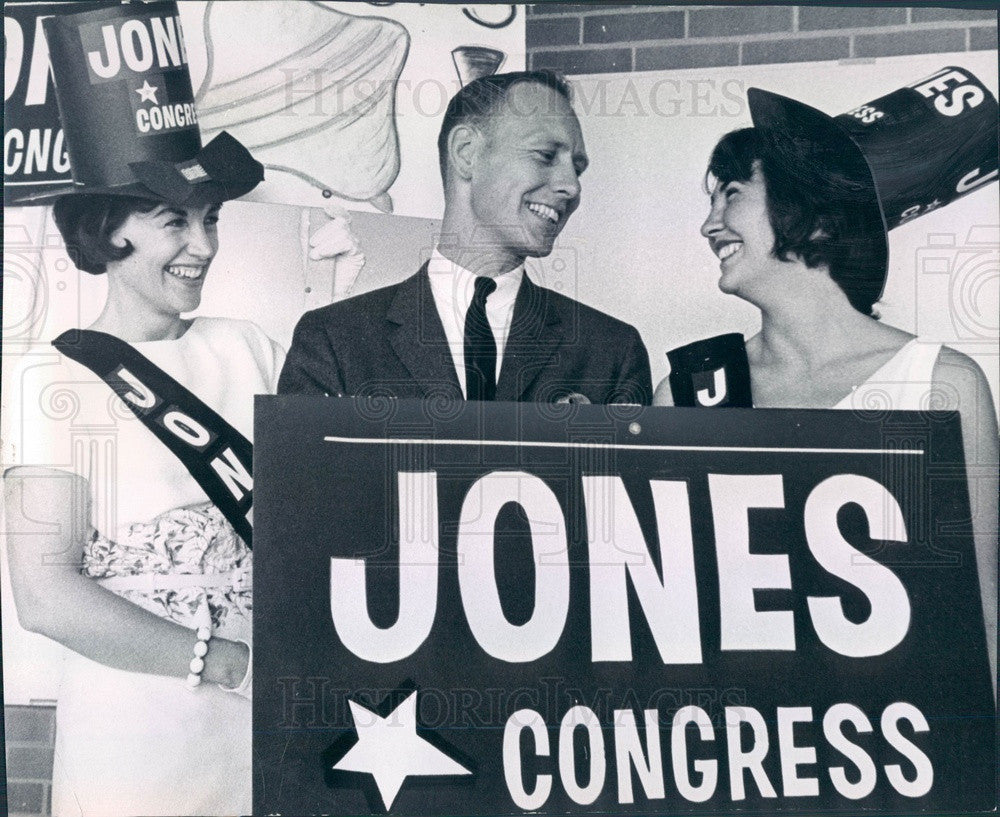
[127, 110]
[915, 149]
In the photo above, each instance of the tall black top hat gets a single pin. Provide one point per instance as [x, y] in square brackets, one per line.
[127, 110]
[913, 150]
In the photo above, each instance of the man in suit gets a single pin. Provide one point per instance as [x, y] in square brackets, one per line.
[471, 323]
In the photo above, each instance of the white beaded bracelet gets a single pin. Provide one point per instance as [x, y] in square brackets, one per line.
[203, 634]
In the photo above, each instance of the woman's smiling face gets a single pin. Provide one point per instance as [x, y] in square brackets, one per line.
[738, 229]
[172, 249]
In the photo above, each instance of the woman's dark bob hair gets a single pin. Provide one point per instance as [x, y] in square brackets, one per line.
[87, 221]
[817, 204]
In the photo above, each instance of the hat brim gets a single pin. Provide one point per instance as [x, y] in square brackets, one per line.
[774, 112]
[137, 191]
[223, 169]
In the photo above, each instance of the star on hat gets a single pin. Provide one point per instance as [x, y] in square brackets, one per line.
[147, 93]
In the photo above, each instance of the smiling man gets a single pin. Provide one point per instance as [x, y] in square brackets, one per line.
[470, 323]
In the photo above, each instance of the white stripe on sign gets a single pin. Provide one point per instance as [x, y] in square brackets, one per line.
[917, 452]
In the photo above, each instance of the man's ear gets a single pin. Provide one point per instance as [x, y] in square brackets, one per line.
[464, 143]
[116, 239]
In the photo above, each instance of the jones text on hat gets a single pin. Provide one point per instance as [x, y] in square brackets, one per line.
[948, 99]
[137, 45]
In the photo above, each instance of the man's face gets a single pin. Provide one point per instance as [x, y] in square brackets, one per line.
[526, 179]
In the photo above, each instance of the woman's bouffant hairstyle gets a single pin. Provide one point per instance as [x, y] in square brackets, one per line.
[86, 222]
[821, 206]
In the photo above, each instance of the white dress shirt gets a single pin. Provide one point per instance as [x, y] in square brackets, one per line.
[453, 287]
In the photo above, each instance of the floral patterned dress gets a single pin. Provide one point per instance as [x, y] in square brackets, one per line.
[195, 542]
[130, 743]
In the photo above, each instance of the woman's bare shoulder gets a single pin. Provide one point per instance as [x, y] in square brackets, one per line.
[960, 383]
[953, 366]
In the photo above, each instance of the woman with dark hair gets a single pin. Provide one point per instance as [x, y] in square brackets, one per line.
[150, 585]
[800, 206]
[789, 224]
[138, 569]
[128, 522]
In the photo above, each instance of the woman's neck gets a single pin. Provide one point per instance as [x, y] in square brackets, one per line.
[807, 328]
[138, 325]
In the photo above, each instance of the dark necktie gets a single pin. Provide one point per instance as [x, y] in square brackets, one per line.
[480, 346]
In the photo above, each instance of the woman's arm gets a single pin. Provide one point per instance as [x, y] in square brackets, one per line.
[663, 396]
[48, 521]
[961, 384]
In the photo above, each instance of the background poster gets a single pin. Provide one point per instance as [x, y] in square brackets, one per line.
[34, 153]
[338, 100]
[343, 98]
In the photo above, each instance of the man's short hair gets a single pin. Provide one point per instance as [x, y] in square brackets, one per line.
[481, 98]
[816, 206]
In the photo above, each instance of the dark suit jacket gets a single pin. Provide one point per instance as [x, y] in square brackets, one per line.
[391, 342]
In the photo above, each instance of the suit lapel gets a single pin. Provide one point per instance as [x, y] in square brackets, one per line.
[536, 332]
[418, 338]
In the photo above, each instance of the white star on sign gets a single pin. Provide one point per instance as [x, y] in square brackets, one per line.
[390, 750]
[147, 92]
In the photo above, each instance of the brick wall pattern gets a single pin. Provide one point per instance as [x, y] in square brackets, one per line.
[30, 738]
[606, 38]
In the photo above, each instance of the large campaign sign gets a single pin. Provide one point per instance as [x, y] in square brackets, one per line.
[497, 609]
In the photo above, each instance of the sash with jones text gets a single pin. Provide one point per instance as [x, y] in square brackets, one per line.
[495, 609]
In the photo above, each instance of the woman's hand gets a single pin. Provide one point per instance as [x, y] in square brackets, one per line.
[226, 663]
[337, 240]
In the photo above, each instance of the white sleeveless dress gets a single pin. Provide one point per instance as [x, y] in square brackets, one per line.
[132, 743]
[903, 383]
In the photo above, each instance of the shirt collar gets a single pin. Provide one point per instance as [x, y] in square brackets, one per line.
[456, 284]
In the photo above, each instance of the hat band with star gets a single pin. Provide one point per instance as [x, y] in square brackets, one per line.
[127, 110]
